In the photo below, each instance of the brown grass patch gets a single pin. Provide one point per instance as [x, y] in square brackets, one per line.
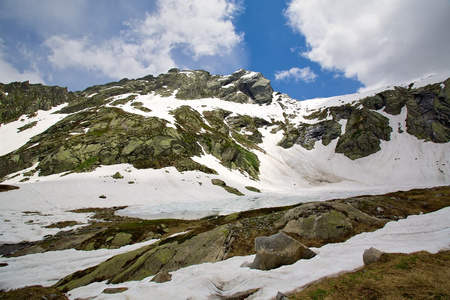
[36, 292]
[63, 224]
[419, 275]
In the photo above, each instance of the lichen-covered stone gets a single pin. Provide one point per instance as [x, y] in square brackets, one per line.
[325, 221]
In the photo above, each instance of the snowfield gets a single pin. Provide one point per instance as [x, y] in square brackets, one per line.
[429, 232]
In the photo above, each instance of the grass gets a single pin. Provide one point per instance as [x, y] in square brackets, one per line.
[419, 275]
[33, 293]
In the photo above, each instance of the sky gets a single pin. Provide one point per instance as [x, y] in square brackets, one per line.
[307, 49]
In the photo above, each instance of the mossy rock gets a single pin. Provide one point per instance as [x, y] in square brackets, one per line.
[121, 239]
[363, 133]
[253, 189]
[331, 225]
[23, 98]
[209, 246]
[117, 175]
[229, 189]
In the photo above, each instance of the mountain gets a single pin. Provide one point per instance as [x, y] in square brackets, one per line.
[107, 187]
[195, 121]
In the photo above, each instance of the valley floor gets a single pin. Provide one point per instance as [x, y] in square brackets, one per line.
[423, 232]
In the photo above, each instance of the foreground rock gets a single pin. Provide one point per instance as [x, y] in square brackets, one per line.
[278, 250]
[371, 255]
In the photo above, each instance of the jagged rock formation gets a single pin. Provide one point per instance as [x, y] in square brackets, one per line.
[428, 111]
[23, 98]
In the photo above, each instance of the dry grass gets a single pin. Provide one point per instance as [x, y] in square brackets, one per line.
[419, 275]
[33, 293]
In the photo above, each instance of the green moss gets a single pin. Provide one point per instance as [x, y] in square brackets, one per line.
[231, 217]
[87, 165]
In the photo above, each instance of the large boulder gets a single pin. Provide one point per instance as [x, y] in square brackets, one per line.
[278, 250]
[257, 88]
[326, 221]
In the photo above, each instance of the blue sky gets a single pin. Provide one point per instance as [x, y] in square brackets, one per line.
[306, 48]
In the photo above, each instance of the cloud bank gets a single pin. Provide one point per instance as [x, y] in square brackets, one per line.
[378, 42]
[192, 29]
[304, 74]
[10, 73]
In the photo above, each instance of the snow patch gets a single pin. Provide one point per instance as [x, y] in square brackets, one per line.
[14, 139]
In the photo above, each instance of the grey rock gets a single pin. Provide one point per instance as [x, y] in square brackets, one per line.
[257, 88]
[162, 276]
[281, 296]
[278, 250]
[116, 290]
[371, 255]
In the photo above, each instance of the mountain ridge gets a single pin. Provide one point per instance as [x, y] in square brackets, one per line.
[169, 120]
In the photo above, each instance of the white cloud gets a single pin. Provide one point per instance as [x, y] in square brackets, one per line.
[9, 73]
[304, 74]
[198, 28]
[378, 42]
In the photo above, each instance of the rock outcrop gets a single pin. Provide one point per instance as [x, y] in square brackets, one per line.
[326, 221]
[23, 98]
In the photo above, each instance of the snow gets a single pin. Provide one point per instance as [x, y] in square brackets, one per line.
[30, 225]
[9, 132]
[429, 232]
[249, 74]
[47, 268]
[228, 85]
[188, 73]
